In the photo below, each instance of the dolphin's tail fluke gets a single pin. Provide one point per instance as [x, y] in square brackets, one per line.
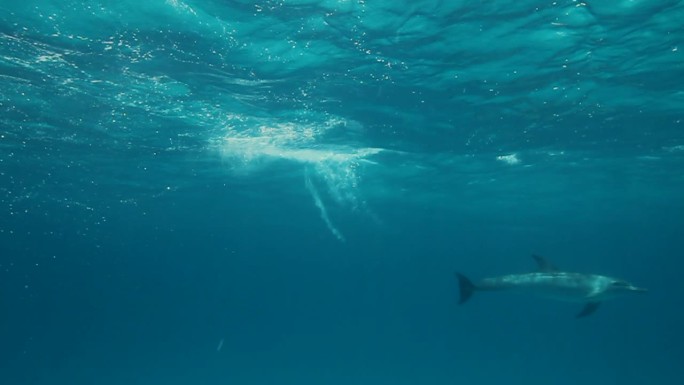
[466, 287]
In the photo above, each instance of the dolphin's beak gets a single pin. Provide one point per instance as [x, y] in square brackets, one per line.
[638, 289]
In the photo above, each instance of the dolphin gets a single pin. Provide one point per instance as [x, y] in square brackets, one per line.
[549, 282]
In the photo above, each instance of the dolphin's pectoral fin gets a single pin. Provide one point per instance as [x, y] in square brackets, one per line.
[543, 264]
[588, 309]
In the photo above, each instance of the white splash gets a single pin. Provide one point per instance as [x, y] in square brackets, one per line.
[336, 166]
[292, 142]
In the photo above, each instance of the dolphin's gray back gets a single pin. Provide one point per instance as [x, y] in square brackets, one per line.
[558, 285]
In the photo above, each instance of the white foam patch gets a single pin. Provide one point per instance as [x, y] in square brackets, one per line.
[335, 166]
[511, 159]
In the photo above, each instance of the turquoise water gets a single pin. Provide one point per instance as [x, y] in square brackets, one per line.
[279, 192]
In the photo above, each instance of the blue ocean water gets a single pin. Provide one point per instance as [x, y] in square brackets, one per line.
[279, 192]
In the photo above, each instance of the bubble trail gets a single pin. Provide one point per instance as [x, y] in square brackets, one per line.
[319, 203]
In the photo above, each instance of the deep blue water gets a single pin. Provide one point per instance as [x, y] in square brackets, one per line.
[279, 192]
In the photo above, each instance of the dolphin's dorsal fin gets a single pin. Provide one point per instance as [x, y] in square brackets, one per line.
[543, 264]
